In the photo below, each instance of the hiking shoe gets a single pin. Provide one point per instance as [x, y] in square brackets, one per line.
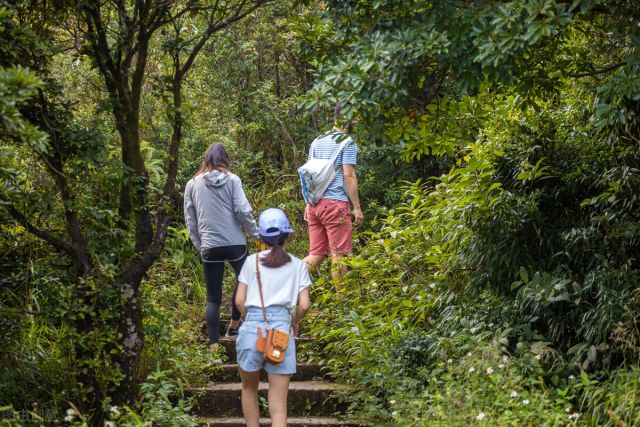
[233, 332]
[215, 349]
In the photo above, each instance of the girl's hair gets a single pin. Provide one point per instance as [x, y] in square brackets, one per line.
[215, 158]
[278, 255]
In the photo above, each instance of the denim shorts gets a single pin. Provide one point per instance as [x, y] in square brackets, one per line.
[250, 359]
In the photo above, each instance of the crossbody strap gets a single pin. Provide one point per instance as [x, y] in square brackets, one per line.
[264, 312]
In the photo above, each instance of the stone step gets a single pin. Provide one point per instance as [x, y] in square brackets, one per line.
[305, 372]
[291, 422]
[305, 398]
[230, 347]
[222, 329]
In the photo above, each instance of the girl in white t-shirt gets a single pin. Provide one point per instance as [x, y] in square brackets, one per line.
[285, 285]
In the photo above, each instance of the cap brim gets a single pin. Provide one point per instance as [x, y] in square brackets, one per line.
[277, 233]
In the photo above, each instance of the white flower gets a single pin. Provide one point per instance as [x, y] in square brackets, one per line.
[68, 418]
[514, 394]
[432, 285]
[449, 361]
[472, 369]
[392, 402]
[571, 378]
[505, 358]
[71, 412]
[574, 416]
[538, 356]
[500, 366]
[394, 414]
[490, 325]
[469, 354]
[525, 402]
[114, 410]
[480, 416]
[489, 370]
[473, 330]
[567, 409]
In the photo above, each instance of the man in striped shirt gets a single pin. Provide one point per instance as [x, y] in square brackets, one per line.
[329, 221]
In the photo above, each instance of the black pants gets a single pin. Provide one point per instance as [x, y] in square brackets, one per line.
[214, 260]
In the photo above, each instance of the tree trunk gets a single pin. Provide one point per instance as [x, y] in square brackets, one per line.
[277, 71]
[131, 333]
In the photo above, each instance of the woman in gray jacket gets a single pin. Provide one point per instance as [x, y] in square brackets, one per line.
[215, 211]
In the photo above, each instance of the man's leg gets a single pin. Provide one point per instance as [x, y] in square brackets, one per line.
[313, 261]
[339, 232]
[338, 270]
[318, 239]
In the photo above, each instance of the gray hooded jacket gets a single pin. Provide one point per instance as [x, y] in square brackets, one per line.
[216, 210]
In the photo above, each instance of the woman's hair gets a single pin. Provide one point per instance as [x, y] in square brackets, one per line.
[278, 255]
[215, 158]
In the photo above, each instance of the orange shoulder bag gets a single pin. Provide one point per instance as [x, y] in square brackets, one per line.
[274, 345]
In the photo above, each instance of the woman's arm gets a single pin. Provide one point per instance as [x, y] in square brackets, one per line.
[191, 216]
[241, 298]
[304, 304]
[243, 210]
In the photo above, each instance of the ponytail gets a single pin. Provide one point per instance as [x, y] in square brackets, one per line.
[278, 256]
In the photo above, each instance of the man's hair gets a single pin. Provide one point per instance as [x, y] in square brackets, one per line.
[339, 117]
[337, 113]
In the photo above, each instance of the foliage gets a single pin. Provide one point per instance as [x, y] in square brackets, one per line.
[156, 404]
[65, 161]
[525, 240]
[613, 400]
[495, 281]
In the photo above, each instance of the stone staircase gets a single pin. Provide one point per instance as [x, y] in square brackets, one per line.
[311, 400]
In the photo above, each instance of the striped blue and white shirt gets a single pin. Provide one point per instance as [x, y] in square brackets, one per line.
[324, 147]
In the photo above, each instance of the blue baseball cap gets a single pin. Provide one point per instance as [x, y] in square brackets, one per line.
[273, 222]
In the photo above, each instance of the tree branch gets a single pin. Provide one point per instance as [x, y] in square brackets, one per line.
[98, 40]
[217, 26]
[57, 243]
[604, 70]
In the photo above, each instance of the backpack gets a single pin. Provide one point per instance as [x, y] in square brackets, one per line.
[317, 174]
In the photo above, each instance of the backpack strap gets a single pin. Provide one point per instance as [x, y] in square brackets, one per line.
[312, 150]
[340, 149]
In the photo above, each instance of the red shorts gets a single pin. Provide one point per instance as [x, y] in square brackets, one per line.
[329, 227]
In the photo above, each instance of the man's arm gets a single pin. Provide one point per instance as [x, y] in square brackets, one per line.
[351, 182]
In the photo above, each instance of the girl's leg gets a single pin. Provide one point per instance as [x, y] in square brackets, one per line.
[278, 392]
[237, 256]
[213, 273]
[250, 410]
